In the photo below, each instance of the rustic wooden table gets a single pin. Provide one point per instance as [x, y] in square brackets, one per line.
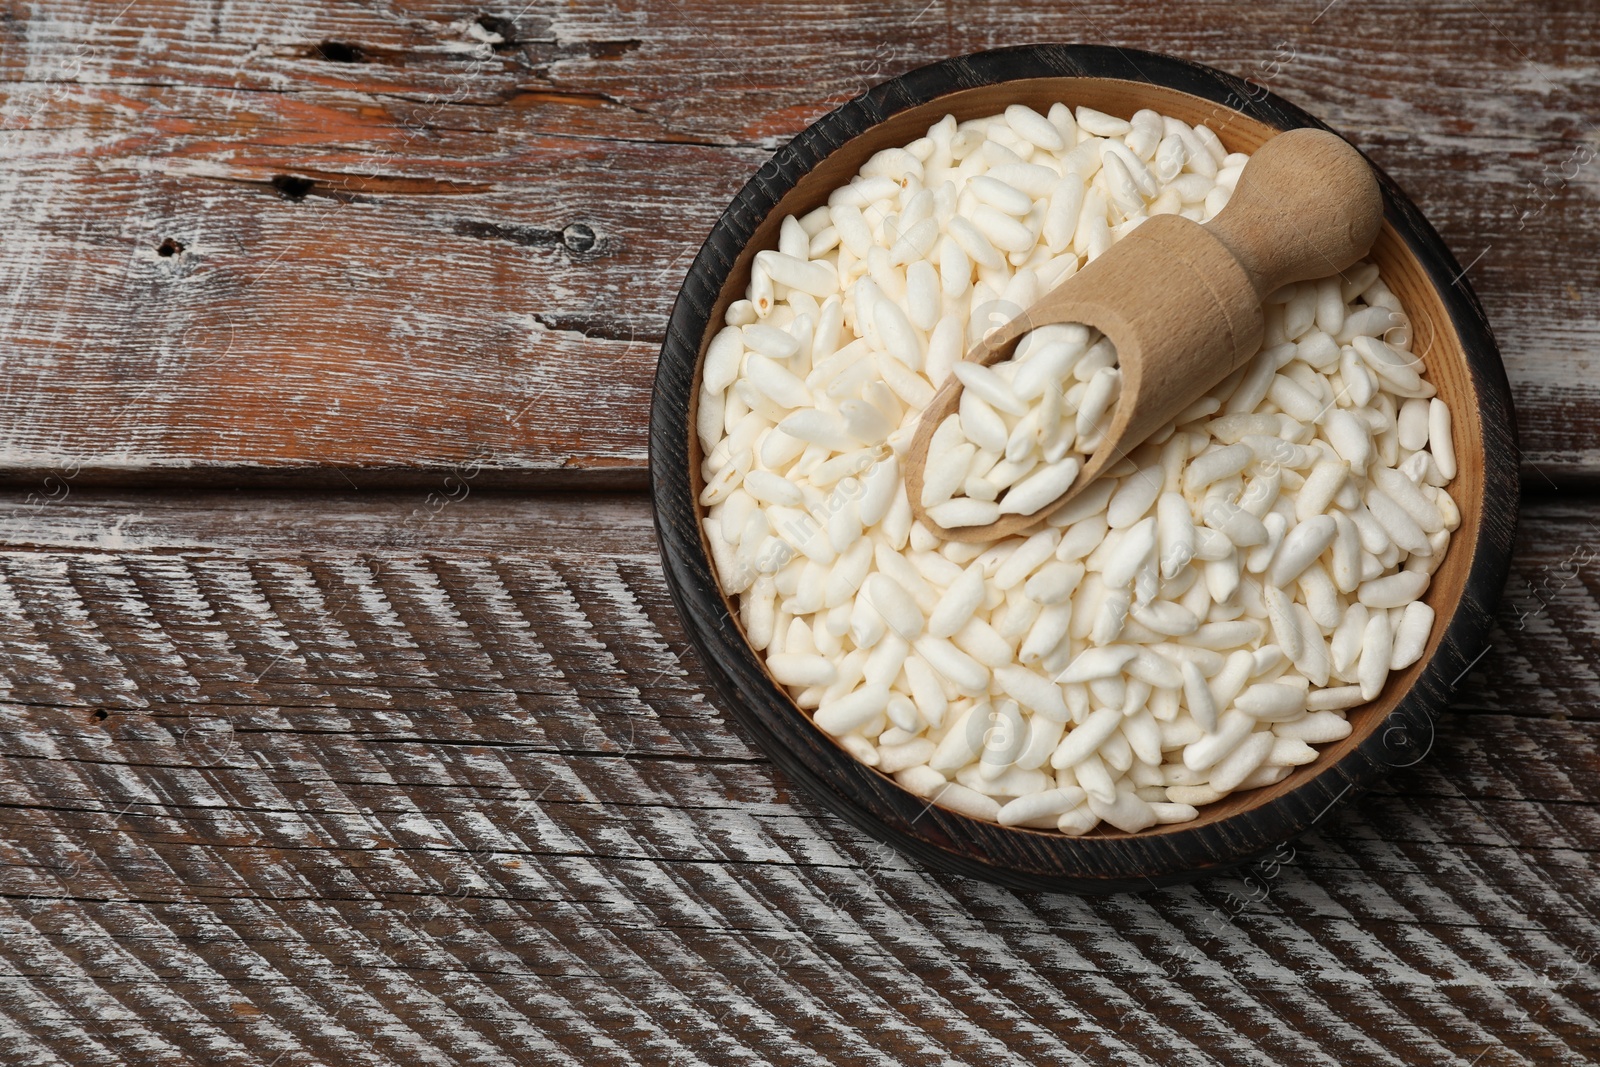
[345, 718]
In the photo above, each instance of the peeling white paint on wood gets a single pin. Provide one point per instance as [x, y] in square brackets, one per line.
[448, 168]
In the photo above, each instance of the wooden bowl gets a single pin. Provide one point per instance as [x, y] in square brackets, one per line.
[1450, 330]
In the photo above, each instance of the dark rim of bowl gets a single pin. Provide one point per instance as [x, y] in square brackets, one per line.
[876, 805]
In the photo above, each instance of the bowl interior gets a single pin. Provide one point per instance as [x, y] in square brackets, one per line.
[1434, 338]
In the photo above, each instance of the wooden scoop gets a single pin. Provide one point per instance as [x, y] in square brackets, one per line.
[1182, 301]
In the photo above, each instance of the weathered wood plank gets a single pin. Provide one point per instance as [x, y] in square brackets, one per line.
[488, 222]
[1549, 655]
[308, 779]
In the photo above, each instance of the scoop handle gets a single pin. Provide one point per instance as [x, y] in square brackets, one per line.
[1306, 206]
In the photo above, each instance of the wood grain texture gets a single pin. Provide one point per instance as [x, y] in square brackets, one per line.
[430, 777]
[366, 780]
[395, 236]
